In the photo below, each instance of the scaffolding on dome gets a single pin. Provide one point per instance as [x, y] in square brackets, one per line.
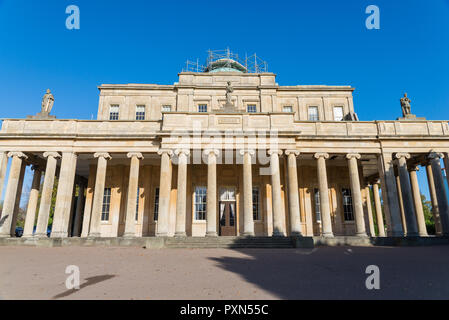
[227, 60]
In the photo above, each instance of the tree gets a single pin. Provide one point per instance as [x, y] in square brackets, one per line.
[428, 215]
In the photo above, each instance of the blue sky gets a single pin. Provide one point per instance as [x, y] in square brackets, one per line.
[304, 42]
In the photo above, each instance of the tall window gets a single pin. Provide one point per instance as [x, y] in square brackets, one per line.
[347, 205]
[287, 108]
[114, 112]
[202, 108]
[251, 108]
[313, 114]
[200, 203]
[256, 215]
[137, 204]
[156, 203]
[166, 108]
[140, 112]
[106, 204]
[338, 113]
[316, 198]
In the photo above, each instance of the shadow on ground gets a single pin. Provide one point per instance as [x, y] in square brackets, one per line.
[89, 282]
[340, 272]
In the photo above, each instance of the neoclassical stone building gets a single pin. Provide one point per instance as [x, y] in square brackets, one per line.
[223, 152]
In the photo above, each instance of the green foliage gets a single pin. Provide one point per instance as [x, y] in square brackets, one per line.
[428, 216]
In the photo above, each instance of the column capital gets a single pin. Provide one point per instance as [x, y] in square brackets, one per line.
[435, 155]
[17, 154]
[167, 151]
[207, 152]
[184, 151]
[400, 155]
[321, 155]
[52, 154]
[273, 151]
[138, 155]
[293, 152]
[413, 167]
[104, 155]
[353, 155]
[250, 151]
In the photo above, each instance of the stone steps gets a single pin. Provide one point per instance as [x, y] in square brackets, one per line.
[229, 242]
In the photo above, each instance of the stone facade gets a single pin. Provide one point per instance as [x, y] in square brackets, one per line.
[165, 160]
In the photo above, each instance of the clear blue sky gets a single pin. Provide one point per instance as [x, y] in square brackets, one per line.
[304, 42]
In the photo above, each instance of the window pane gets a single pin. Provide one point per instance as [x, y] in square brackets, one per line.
[338, 113]
[256, 204]
[313, 114]
[114, 112]
[200, 203]
[156, 203]
[137, 204]
[140, 112]
[251, 108]
[287, 109]
[347, 205]
[202, 108]
[106, 204]
[166, 108]
[316, 198]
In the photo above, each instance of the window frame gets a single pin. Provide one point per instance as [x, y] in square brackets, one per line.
[199, 108]
[342, 112]
[317, 205]
[106, 205]
[347, 213]
[202, 203]
[114, 116]
[140, 116]
[253, 107]
[156, 204]
[256, 204]
[165, 106]
[309, 114]
[287, 106]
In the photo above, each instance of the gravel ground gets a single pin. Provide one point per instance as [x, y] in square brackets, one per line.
[135, 273]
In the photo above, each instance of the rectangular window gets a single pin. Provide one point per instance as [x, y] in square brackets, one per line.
[114, 112]
[202, 108]
[106, 204]
[316, 198]
[313, 114]
[256, 215]
[338, 113]
[287, 108]
[347, 205]
[140, 112]
[200, 203]
[251, 108]
[166, 108]
[156, 203]
[137, 204]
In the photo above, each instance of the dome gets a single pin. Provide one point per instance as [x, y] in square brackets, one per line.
[225, 65]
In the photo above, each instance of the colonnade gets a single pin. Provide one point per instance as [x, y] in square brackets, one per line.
[87, 223]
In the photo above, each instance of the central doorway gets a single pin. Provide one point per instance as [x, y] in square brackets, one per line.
[228, 221]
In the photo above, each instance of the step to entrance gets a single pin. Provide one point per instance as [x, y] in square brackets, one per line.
[229, 242]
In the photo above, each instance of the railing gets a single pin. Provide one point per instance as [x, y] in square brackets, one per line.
[179, 121]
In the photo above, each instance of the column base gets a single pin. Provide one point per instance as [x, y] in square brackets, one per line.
[164, 234]
[40, 235]
[5, 235]
[327, 235]
[211, 234]
[248, 234]
[58, 235]
[362, 235]
[129, 235]
[94, 235]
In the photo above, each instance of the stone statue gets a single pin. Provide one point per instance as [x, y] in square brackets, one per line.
[405, 104]
[229, 90]
[47, 102]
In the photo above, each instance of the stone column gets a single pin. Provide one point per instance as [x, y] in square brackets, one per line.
[356, 194]
[409, 209]
[418, 202]
[248, 218]
[369, 212]
[181, 196]
[401, 204]
[32, 202]
[211, 200]
[133, 186]
[47, 190]
[3, 168]
[324, 194]
[79, 210]
[64, 197]
[278, 214]
[390, 195]
[434, 200]
[378, 205]
[440, 188]
[164, 192]
[293, 196]
[97, 205]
